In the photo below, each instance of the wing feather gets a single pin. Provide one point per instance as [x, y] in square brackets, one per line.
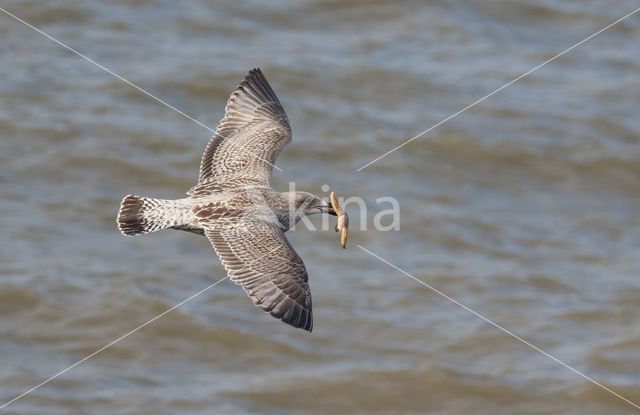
[249, 138]
[258, 256]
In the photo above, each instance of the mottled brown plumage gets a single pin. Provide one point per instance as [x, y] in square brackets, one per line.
[234, 205]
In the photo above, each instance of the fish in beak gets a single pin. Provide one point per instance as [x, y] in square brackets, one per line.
[343, 220]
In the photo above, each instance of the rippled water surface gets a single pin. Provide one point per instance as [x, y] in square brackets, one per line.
[525, 208]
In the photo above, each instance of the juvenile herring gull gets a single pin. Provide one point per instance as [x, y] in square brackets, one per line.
[235, 206]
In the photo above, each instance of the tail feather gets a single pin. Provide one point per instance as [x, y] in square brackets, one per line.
[139, 215]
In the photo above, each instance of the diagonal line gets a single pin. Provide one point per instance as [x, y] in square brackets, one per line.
[104, 68]
[111, 344]
[499, 89]
[134, 330]
[510, 333]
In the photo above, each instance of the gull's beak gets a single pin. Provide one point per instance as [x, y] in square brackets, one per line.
[327, 208]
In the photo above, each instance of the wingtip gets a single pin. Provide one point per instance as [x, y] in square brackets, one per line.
[307, 328]
[256, 86]
[254, 73]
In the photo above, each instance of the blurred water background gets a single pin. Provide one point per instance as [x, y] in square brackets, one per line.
[526, 208]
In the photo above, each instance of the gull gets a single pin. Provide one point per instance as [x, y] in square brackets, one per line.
[235, 206]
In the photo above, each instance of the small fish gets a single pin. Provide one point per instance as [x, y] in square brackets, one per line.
[343, 220]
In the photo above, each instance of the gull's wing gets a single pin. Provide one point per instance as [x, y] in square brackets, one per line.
[258, 256]
[249, 138]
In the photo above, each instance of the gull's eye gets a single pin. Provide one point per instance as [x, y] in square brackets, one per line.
[300, 202]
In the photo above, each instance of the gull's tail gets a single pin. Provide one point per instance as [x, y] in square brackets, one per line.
[139, 215]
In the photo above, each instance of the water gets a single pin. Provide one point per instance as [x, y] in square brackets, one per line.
[524, 208]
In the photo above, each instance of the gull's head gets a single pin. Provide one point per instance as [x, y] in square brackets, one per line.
[303, 203]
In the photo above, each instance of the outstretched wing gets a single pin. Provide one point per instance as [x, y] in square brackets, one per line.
[249, 138]
[258, 256]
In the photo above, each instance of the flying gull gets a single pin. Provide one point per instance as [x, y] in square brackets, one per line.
[236, 208]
